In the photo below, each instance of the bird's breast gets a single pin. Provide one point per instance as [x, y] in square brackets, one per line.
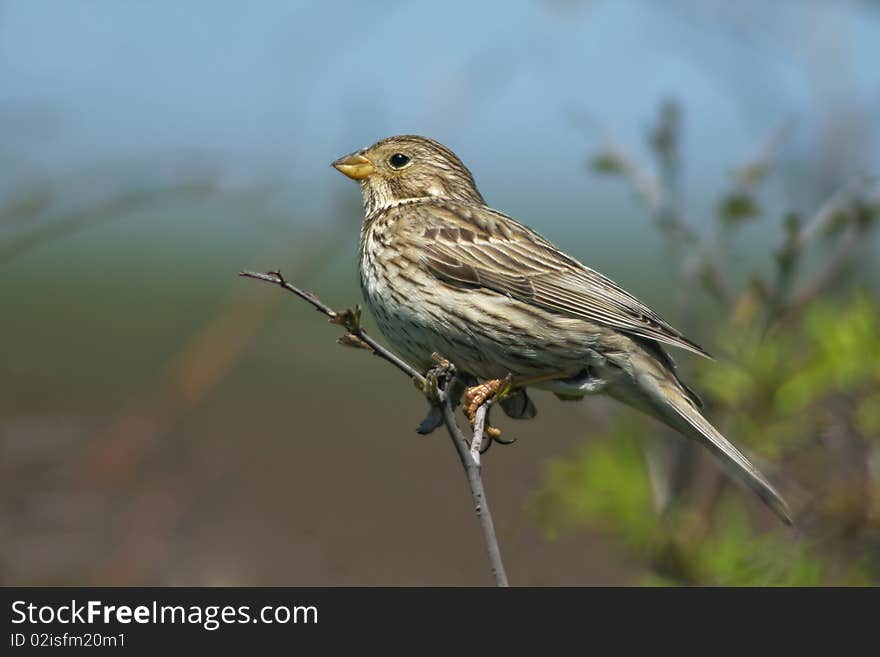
[483, 332]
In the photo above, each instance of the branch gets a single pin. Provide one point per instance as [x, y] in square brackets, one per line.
[355, 336]
[852, 205]
[470, 460]
[442, 390]
[835, 265]
[479, 427]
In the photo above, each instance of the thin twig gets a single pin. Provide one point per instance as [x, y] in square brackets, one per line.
[839, 202]
[468, 452]
[43, 231]
[835, 265]
[481, 504]
[479, 426]
[349, 319]
[843, 202]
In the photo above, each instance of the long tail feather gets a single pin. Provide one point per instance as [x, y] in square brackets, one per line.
[646, 379]
[693, 424]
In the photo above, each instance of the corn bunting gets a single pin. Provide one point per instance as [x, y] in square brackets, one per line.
[442, 272]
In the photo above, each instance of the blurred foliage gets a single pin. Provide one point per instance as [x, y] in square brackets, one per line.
[605, 487]
[738, 206]
[775, 394]
[796, 383]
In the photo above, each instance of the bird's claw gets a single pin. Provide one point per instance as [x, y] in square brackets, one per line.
[438, 384]
[492, 390]
[442, 383]
[437, 380]
[488, 391]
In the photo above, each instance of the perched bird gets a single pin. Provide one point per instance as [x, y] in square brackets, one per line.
[443, 272]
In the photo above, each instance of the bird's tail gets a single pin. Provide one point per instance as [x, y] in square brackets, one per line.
[667, 399]
[693, 424]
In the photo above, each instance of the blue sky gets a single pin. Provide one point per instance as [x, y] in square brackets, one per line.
[523, 91]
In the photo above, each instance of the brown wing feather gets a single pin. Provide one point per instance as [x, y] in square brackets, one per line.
[477, 246]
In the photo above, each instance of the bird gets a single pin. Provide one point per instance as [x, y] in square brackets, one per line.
[444, 273]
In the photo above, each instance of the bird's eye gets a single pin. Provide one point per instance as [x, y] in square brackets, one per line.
[398, 160]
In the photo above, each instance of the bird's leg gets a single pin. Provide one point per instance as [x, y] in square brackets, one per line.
[440, 382]
[495, 390]
[437, 378]
[477, 395]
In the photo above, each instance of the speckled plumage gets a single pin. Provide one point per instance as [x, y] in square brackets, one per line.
[422, 307]
[443, 272]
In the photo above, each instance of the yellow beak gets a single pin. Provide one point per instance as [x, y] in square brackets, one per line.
[355, 166]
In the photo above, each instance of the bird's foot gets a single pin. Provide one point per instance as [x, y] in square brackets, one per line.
[491, 391]
[476, 396]
[439, 383]
[437, 379]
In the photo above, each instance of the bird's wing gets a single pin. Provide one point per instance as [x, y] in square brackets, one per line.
[473, 245]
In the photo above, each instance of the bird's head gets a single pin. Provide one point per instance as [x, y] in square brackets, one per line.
[408, 167]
